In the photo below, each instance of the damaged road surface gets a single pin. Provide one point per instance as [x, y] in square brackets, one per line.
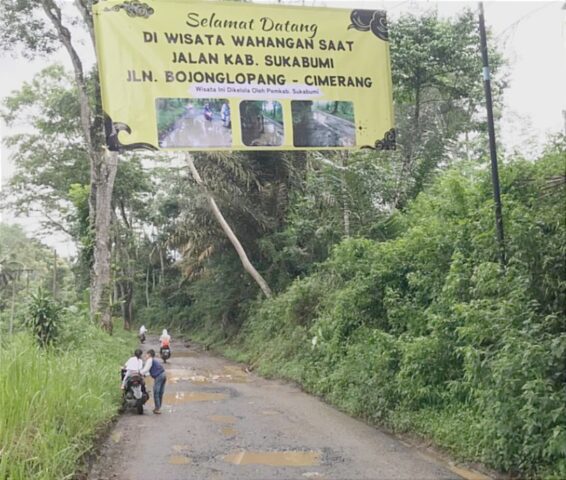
[220, 423]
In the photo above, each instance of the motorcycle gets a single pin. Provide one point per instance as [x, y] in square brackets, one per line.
[142, 337]
[135, 394]
[165, 354]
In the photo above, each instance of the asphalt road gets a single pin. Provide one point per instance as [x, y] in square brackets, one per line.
[219, 422]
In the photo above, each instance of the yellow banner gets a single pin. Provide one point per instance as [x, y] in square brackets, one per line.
[200, 75]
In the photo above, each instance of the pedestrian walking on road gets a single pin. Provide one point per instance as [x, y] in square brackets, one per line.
[154, 368]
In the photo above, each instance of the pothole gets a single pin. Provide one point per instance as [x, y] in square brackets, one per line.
[270, 412]
[223, 419]
[274, 459]
[179, 460]
[178, 398]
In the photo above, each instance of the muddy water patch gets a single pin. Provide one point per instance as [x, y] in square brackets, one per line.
[292, 458]
[179, 398]
[234, 374]
[229, 431]
[180, 448]
[270, 412]
[223, 419]
[182, 354]
[179, 460]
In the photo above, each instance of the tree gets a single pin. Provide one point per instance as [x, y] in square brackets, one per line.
[436, 66]
[50, 158]
[22, 29]
[248, 267]
[52, 177]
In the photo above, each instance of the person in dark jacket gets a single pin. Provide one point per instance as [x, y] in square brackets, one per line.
[154, 368]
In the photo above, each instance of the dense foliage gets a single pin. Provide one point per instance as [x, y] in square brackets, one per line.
[427, 333]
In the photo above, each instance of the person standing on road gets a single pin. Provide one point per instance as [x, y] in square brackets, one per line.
[154, 368]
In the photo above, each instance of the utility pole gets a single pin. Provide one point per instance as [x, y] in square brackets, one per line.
[492, 146]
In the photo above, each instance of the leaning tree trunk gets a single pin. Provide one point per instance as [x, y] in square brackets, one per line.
[248, 267]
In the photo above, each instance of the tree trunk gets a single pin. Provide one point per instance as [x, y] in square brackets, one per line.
[103, 166]
[126, 305]
[345, 198]
[101, 276]
[162, 263]
[54, 287]
[147, 287]
[411, 145]
[248, 267]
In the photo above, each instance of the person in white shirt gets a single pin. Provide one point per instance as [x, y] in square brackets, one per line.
[143, 330]
[133, 365]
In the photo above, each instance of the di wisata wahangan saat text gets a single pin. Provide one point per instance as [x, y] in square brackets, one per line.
[194, 57]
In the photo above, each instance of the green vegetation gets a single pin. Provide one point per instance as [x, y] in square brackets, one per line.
[343, 110]
[59, 373]
[273, 110]
[169, 110]
[55, 401]
[426, 333]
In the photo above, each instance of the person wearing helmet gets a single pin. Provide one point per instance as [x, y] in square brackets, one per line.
[165, 340]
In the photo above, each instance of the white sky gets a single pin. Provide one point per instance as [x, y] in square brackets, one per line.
[531, 34]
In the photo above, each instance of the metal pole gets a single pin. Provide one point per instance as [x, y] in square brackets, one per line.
[492, 147]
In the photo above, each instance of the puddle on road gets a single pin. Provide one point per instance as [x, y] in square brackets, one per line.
[229, 374]
[178, 398]
[223, 419]
[468, 474]
[234, 374]
[180, 448]
[270, 412]
[182, 354]
[179, 460]
[229, 431]
[176, 375]
[274, 459]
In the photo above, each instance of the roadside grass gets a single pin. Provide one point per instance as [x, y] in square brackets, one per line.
[54, 401]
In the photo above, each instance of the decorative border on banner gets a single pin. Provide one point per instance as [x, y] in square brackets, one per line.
[134, 8]
[388, 142]
[112, 129]
[370, 20]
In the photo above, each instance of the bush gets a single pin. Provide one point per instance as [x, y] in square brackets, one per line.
[427, 333]
[43, 317]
